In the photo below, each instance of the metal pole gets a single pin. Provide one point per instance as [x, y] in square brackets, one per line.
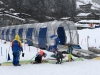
[87, 42]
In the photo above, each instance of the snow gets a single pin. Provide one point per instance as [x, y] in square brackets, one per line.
[86, 67]
[15, 17]
[1, 2]
[89, 21]
[11, 9]
[65, 18]
[83, 14]
[86, 23]
[78, 4]
[93, 38]
[16, 14]
[82, 25]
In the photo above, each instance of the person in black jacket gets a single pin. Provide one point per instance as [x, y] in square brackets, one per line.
[59, 56]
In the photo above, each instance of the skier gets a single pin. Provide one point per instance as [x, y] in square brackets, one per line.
[16, 48]
[59, 56]
[70, 49]
[38, 58]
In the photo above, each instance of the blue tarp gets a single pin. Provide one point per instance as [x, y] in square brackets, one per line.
[29, 36]
[42, 37]
[97, 26]
[20, 33]
[61, 35]
[13, 33]
[76, 46]
[7, 34]
[2, 35]
[53, 36]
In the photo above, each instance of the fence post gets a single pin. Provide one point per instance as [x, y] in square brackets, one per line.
[1, 51]
[6, 53]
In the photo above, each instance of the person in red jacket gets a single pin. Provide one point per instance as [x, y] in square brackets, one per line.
[39, 55]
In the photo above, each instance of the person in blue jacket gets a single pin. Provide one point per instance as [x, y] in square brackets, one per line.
[16, 48]
[56, 42]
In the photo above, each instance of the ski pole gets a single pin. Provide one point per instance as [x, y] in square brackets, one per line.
[30, 60]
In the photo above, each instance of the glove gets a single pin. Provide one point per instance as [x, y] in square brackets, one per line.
[22, 54]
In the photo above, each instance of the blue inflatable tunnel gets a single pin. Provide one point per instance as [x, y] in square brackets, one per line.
[42, 38]
[29, 36]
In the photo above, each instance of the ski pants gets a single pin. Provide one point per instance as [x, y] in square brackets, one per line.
[15, 58]
[59, 60]
[69, 56]
[59, 56]
[38, 59]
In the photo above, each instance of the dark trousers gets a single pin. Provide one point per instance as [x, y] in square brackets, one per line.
[59, 57]
[38, 59]
[59, 60]
[15, 58]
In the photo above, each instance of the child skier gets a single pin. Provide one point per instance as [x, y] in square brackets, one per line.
[38, 58]
[70, 49]
[59, 57]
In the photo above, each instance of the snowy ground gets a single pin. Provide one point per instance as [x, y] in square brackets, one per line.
[93, 40]
[86, 67]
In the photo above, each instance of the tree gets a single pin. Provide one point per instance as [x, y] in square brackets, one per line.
[42, 8]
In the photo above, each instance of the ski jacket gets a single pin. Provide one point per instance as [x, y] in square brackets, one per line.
[16, 44]
[59, 54]
[70, 49]
[41, 53]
